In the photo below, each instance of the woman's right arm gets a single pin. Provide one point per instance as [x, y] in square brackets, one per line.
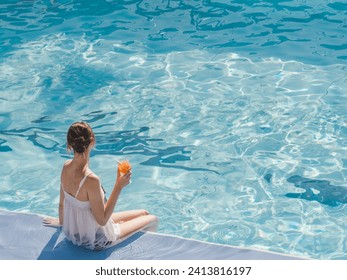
[61, 206]
[61, 196]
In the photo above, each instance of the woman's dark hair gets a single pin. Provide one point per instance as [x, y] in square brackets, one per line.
[79, 136]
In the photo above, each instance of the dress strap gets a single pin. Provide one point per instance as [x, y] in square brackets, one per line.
[81, 184]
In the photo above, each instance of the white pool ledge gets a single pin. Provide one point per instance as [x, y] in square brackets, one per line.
[23, 237]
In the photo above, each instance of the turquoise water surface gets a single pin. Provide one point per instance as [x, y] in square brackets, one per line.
[233, 113]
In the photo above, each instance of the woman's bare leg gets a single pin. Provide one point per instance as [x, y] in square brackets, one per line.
[121, 217]
[132, 226]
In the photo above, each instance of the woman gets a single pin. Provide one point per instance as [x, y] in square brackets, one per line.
[85, 215]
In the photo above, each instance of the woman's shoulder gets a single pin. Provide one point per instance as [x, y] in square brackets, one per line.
[67, 163]
[93, 180]
[92, 184]
[93, 177]
[65, 167]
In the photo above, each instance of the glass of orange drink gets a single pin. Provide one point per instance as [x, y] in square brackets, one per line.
[124, 166]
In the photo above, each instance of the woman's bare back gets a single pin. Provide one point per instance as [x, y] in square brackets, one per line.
[71, 179]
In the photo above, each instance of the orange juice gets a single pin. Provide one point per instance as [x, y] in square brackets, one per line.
[124, 166]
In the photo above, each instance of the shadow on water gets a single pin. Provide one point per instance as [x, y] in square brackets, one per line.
[321, 191]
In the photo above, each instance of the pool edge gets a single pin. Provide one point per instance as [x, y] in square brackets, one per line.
[34, 241]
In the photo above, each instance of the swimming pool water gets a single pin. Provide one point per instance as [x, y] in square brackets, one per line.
[232, 113]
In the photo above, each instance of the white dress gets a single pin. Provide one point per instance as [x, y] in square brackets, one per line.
[80, 226]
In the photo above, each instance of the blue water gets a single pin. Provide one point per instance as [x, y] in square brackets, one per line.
[233, 113]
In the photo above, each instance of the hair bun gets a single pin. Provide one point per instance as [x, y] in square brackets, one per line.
[79, 137]
[80, 144]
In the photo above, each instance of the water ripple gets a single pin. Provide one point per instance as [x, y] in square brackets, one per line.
[262, 27]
